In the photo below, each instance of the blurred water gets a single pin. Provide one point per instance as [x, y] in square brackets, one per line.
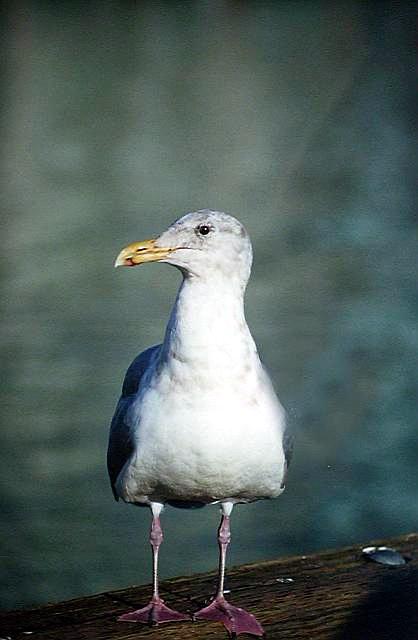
[117, 118]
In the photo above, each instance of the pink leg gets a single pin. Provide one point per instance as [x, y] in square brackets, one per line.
[156, 611]
[235, 619]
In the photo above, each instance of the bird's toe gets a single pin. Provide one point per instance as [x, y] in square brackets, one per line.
[235, 619]
[156, 612]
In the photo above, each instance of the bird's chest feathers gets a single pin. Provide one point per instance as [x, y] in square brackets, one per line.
[210, 362]
[208, 396]
[209, 373]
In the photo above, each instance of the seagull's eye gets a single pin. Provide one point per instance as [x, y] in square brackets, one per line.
[204, 229]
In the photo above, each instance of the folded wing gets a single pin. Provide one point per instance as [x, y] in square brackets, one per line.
[121, 444]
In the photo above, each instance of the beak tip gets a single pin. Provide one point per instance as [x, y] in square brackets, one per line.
[123, 259]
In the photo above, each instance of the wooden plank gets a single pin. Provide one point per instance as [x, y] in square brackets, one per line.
[334, 595]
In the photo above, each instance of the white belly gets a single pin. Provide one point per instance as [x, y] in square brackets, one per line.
[205, 448]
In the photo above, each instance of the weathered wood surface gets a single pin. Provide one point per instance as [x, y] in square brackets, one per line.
[334, 595]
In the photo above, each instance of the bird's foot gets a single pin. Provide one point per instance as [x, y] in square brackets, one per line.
[156, 612]
[235, 619]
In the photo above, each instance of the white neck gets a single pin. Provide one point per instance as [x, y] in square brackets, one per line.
[207, 326]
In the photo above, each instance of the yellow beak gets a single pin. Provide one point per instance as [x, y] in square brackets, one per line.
[140, 252]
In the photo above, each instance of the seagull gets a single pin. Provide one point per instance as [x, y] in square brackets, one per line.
[198, 421]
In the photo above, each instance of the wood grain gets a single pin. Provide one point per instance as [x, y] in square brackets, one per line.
[334, 595]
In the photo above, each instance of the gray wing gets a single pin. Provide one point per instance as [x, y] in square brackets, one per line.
[287, 443]
[120, 438]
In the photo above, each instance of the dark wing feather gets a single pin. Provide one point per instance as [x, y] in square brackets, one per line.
[287, 443]
[120, 438]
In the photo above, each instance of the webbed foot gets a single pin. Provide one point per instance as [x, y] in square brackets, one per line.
[156, 612]
[235, 619]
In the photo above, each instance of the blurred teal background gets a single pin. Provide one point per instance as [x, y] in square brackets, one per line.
[300, 119]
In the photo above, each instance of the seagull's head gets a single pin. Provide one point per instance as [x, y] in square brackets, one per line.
[201, 244]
